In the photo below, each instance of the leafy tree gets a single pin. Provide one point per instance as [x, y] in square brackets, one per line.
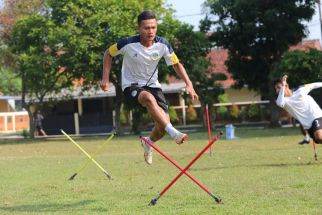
[10, 83]
[256, 34]
[67, 40]
[192, 48]
[302, 67]
[41, 68]
[11, 11]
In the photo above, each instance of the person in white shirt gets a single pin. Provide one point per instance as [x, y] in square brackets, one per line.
[141, 55]
[301, 106]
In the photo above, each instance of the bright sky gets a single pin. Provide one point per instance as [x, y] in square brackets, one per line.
[190, 12]
[187, 12]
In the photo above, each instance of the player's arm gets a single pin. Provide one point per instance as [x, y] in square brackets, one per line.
[181, 72]
[280, 101]
[111, 52]
[107, 64]
[313, 86]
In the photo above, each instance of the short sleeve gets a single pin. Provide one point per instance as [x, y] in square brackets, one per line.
[169, 55]
[119, 47]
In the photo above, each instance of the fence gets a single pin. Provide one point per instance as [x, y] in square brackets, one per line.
[228, 112]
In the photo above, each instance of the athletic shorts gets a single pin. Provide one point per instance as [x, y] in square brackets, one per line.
[132, 93]
[316, 125]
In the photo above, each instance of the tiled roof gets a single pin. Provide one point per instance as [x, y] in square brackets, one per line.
[219, 56]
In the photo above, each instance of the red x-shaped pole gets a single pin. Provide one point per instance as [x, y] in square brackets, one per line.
[184, 170]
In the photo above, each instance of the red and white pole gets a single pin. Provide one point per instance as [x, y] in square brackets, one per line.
[183, 170]
[208, 128]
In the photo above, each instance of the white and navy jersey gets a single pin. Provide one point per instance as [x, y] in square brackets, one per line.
[140, 62]
[301, 105]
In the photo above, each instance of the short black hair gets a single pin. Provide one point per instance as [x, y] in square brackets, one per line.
[276, 81]
[147, 14]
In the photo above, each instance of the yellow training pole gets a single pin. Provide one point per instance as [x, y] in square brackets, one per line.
[88, 161]
[90, 157]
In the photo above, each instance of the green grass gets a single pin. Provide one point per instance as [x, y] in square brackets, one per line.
[263, 172]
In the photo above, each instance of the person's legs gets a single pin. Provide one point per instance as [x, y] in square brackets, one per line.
[316, 130]
[158, 131]
[306, 135]
[146, 99]
[43, 133]
[160, 117]
[318, 136]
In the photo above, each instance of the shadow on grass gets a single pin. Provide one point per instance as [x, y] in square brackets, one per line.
[257, 165]
[52, 207]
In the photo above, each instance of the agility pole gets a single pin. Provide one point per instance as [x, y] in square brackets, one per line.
[90, 157]
[184, 170]
[208, 127]
[88, 161]
[315, 153]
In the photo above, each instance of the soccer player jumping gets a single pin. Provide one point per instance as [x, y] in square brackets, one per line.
[301, 106]
[140, 85]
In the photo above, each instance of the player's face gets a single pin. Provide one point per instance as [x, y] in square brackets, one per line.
[287, 91]
[278, 87]
[148, 29]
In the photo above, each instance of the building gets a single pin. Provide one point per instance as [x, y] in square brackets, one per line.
[12, 120]
[93, 111]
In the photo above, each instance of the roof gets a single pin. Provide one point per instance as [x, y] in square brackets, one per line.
[10, 97]
[307, 44]
[219, 56]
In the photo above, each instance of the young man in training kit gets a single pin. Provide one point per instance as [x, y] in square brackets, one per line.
[141, 55]
[301, 106]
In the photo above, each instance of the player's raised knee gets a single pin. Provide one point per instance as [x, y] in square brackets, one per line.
[146, 98]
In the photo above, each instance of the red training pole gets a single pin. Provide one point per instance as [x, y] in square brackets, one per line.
[183, 171]
[208, 128]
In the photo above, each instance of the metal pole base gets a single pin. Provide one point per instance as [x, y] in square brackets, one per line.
[218, 199]
[154, 201]
[108, 175]
[72, 177]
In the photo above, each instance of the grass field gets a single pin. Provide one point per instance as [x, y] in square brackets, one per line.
[263, 172]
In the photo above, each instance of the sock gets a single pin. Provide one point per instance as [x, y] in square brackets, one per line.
[307, 137]
[151, 141]
[171, 130]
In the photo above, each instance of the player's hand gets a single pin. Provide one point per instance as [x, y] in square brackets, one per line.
[104, 85]
[284, 79]
[192, 93]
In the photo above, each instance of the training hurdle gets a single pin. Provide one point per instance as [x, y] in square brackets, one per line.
[91, 158]
[184, 170]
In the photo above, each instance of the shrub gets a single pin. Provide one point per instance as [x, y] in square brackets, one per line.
[173, 115]
[234, 111]
[123, 118]
[222, 112]
[253, 111]
[191, 113]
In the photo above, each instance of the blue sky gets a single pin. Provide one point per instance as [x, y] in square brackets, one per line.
[187, 10]
[190, 12]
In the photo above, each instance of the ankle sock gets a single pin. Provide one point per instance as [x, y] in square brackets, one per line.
[307, 137]
[171, 130]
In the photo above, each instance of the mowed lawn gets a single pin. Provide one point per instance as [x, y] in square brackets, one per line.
[263, 172]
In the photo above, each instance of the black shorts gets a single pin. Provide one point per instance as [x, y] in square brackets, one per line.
[132, 93]
[316, 125]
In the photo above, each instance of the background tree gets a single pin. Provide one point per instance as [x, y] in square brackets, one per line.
[302, 67]
[256, 34]
[40, 62]
[67, 40]
[192, 48]
[12, 10]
